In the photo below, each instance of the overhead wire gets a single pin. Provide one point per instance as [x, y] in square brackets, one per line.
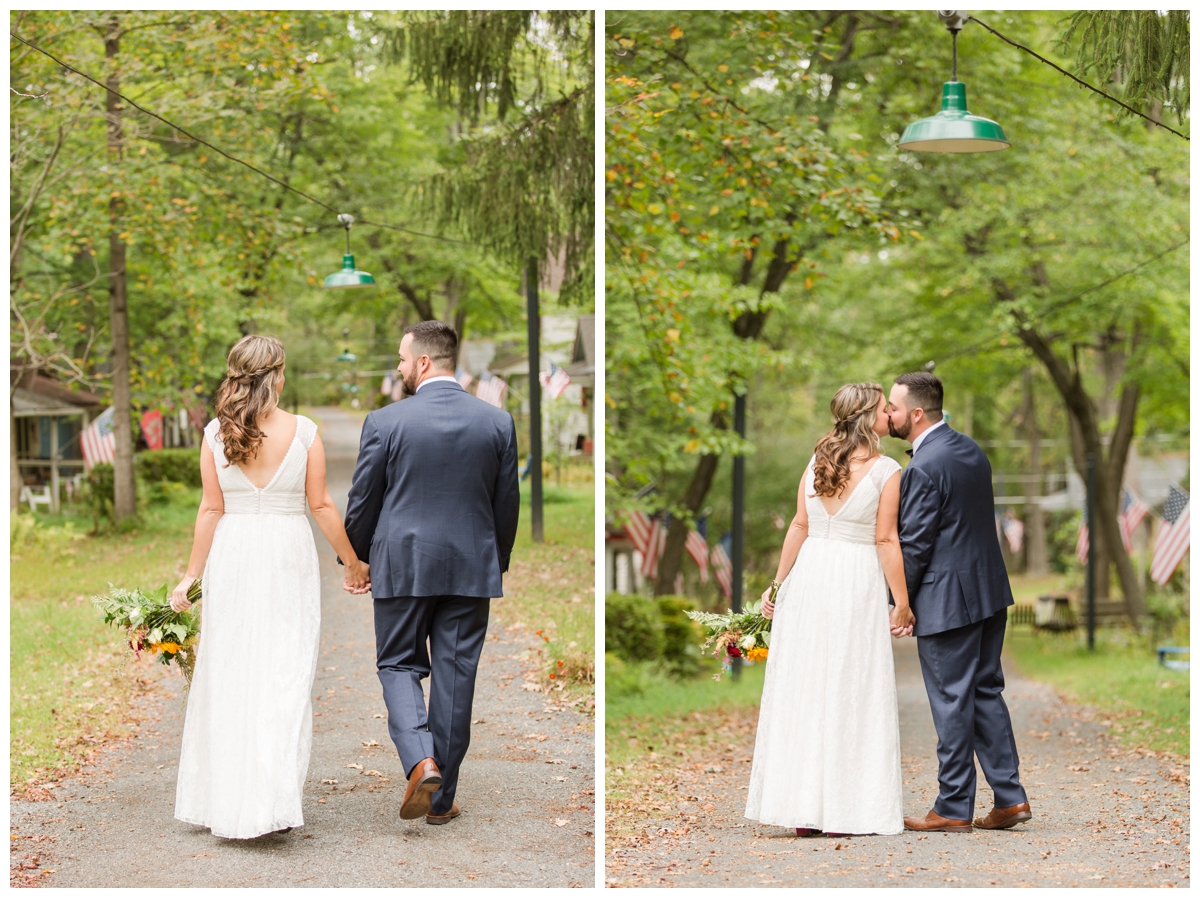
[230, 156]
[1058, 68]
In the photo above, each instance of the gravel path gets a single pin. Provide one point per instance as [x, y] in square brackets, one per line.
[1103, 816]
[526, 788]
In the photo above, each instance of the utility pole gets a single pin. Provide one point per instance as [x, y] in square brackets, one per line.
[739, 514]
[535, 400]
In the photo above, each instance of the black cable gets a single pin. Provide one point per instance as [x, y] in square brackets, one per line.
[1058, 305]
[1009, 40]
[216, 149]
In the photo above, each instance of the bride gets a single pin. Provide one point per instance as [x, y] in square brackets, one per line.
[248, 730]
[827, 752]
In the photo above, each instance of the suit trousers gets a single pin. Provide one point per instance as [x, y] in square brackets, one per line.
[440, 637]
[964, 682]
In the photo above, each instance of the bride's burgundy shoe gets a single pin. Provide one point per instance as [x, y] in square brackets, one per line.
[804, 832]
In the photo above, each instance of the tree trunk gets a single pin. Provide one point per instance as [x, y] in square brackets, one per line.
[1036, 561]
[1105, 532]
[14, 472]
[124, 489]
[672, 555]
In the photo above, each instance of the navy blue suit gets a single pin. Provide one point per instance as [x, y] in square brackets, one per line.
[959, 593]
[433, 509]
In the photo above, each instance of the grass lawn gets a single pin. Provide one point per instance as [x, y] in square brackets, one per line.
[72, 679]
[550, 587]
[1148, 705]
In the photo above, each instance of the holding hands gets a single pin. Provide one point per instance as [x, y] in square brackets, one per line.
[902, 620]
[357, 579]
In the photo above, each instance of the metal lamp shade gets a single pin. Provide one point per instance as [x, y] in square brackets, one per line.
[954, 130]
[349, 276]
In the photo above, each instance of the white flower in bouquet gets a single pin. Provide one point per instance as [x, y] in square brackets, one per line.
[748, 642]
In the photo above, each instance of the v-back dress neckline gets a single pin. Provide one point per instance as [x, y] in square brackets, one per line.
[286, 455]
[853, 490]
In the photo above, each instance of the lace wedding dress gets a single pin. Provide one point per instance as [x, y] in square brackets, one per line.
[827, 752]
[248, 731]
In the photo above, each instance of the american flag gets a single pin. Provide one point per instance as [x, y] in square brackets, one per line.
[1133, 511]
[464, 379]
[491, 388]
[555, 380]
[645, 534]
[1081, 543]
[654, 547]
[1174, 536]
[722, 566]
[697, 547]
[97, 442]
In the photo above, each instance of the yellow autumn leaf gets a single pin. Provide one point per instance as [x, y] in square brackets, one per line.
[714, 210]
[691, 445]
[676, 32]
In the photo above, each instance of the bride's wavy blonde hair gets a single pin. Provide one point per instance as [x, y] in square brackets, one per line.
[853, 407]
[249, 391]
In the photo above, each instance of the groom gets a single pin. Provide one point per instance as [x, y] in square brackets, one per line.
[433, 509]
[959, 593]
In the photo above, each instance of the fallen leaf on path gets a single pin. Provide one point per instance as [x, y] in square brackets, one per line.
[379, 717]
[560, 822]
[357, 767]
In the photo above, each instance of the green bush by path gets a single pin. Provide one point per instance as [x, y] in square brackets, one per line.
[643, 630]
[174, 465]
[1147, 705]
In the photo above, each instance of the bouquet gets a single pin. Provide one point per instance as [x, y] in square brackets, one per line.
[745, 634]
[151, 625]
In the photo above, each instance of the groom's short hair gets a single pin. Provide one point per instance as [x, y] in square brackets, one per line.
[924, 392]
[437, 340]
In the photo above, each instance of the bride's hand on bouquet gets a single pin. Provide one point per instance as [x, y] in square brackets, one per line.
[902, 620]
[357, 579]
[768, 607]
[179, 599]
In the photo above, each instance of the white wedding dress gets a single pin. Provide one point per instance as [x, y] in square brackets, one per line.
[827, 752]
[248, 731]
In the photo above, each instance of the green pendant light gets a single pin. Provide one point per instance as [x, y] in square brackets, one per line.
[954, 130]
[349, 276]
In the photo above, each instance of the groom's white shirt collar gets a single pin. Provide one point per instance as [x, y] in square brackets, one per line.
[921, 439]
[449, 377]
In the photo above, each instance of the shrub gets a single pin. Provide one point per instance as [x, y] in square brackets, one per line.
[633, 628]
[99, 493]
[623, 678]
[681, 637]
[174, 465]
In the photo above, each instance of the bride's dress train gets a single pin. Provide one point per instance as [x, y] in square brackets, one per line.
[827, 752]
[248, 731]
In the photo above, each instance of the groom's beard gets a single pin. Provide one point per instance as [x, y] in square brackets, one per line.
[901, 432]
[410, 382]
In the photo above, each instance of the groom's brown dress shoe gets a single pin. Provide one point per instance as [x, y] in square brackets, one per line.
[936, 823]
[424, 780]
[439, 819]
[1003, 818]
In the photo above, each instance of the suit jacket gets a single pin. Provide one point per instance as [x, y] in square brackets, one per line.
[434, 503]
[953, 565]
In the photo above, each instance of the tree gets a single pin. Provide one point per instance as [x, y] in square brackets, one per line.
[523, 83]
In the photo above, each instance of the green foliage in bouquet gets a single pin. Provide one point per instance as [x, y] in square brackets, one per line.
[746, 634]
[151, 625]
